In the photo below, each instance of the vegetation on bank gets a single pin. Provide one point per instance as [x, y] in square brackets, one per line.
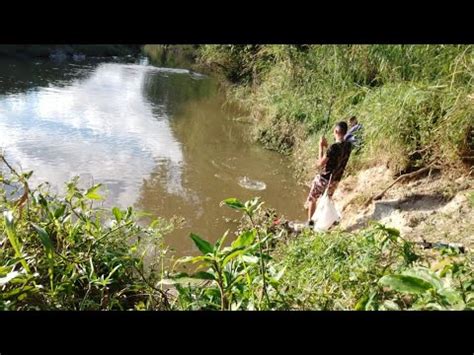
[266, 268]
[416, 102]
[174, 56]
[62, 252]
[65, 252]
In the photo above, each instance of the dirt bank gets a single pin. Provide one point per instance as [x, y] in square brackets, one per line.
[436, 208]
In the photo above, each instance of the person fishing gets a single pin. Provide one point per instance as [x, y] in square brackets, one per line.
[332, 162]
[354, 134]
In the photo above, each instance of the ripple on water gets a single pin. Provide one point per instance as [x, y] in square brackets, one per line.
[250, 184]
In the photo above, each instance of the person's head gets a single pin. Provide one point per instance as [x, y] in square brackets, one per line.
[352, 121]
[340, 130]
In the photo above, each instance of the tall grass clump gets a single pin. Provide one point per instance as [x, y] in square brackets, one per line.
[375, 269]
[415, 101]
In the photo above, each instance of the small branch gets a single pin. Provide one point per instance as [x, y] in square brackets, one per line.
[400, 178]
[162, 293]
[9, 166]
[104, 236]
[24, 197]
[224, 301]
[111, 231]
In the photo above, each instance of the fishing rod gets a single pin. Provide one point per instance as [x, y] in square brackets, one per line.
[329, 114]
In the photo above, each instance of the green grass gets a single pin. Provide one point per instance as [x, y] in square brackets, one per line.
[61, 252]
[470, 197]
[374, 269]
[409, 98]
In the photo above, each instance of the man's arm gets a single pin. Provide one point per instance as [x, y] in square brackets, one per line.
[322, 155]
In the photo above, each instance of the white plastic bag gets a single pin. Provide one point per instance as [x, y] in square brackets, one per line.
[326, 213]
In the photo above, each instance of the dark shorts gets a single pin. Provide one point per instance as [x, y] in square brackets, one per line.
[318, 188]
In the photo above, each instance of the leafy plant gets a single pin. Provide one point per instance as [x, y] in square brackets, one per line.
[61, 252]
[238, 276]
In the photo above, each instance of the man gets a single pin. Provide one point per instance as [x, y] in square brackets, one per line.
[332, 164]
[351, 135]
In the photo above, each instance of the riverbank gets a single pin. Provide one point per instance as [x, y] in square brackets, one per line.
[417, 114]
[416, 102]
[436, 207]
[64, 252]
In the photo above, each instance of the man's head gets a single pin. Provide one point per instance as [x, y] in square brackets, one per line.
[340, 130]
[352, 121]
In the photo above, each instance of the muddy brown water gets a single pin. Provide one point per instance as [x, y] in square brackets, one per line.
[158, 138]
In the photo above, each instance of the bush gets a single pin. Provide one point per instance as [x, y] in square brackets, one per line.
[63, 253]
[265, 268]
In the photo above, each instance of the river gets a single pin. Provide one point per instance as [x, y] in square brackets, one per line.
[159, 139]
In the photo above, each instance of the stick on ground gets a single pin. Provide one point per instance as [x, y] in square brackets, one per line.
[400, 178]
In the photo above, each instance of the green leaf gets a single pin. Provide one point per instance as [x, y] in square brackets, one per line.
[45, 240]
[186, 259]
[28, 174]
[203, 275]
[406, 284]
[233, 203]
[244, 239]
[191, 281]
[13, 238]
[92, 194]
[233, 254]
[360, 305]
[17, 291]
[250, 259]
[129, 212]
[371, 305]
[59, 211]
[220, 241]
[117, 213]
[392, 231]
[166, 282]
[204, 246]
[113, 271]
[470, 297]
[280, 274]
[451, 296]
[10, 276]
[426, 275]
[194, 259]
[253, 205]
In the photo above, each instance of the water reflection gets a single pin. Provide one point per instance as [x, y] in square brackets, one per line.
[158, 138]
[101, 126]
[217, 155]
